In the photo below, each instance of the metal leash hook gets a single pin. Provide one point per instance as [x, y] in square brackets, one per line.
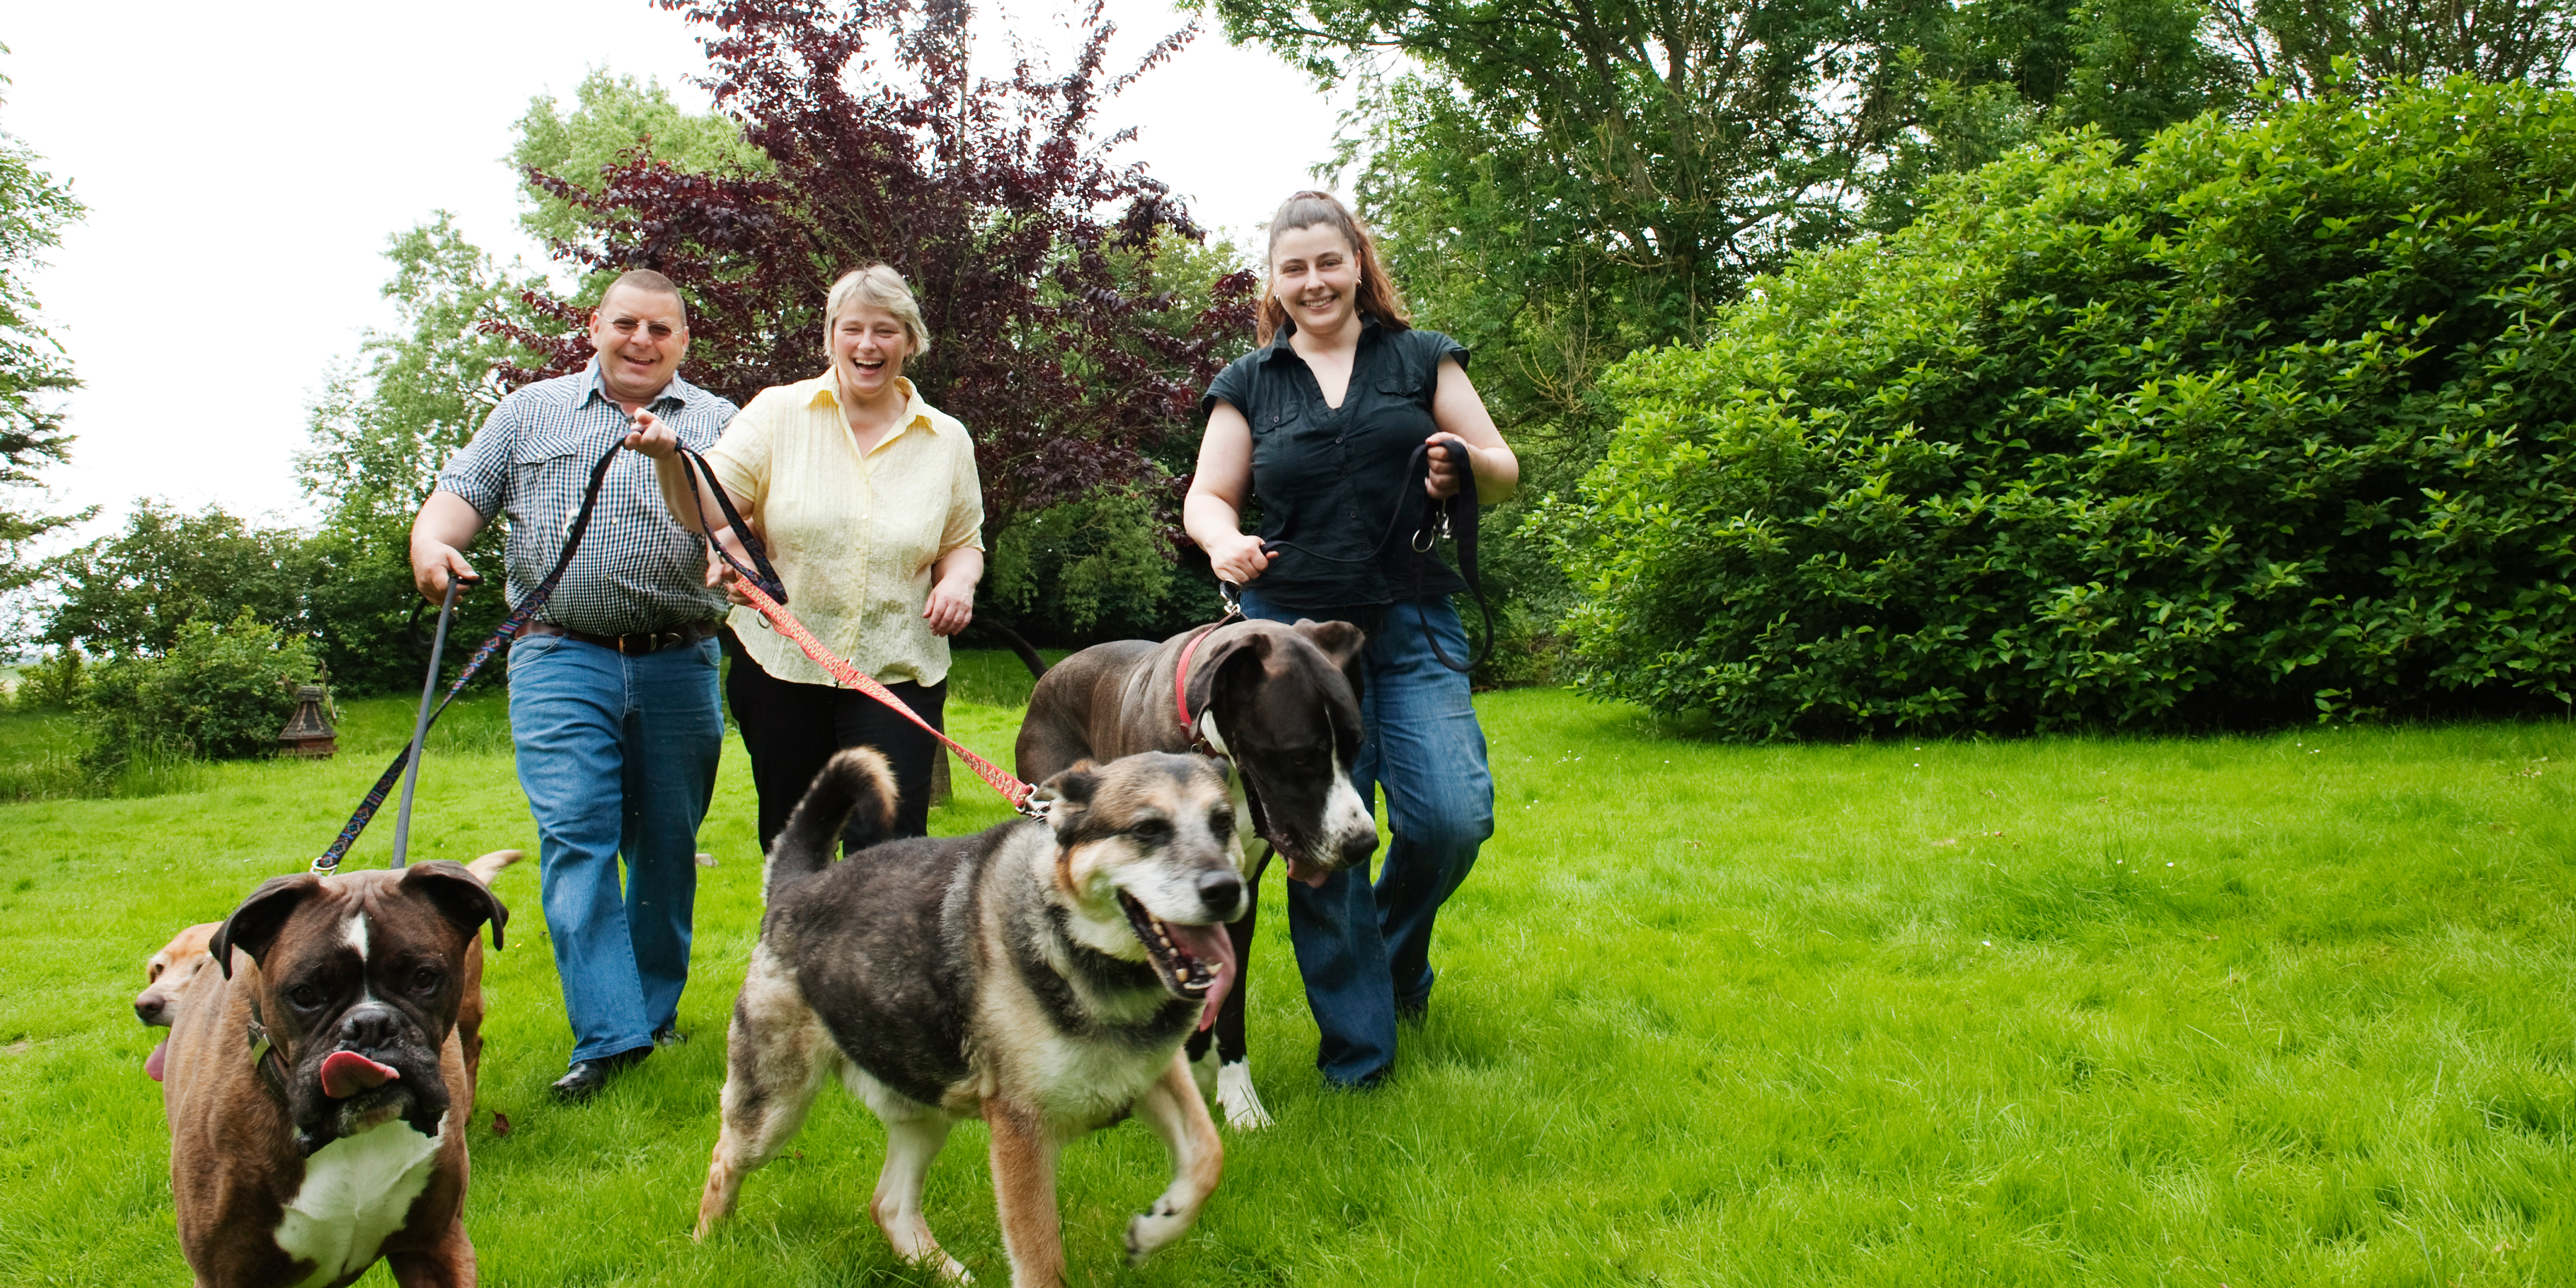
[420, 726]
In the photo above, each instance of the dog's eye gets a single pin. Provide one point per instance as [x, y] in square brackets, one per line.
[1153, 831]
[426, 979]
[1221, 821]
[305, 995]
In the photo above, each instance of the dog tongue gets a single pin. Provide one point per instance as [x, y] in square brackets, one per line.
[1305, 873]
[346, 1073]
[1208, 944]
[152, 1063]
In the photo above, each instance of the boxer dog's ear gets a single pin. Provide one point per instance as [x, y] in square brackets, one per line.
[254, 925]
[458, 895]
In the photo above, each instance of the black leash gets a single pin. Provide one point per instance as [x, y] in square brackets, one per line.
[420, 724]
[1454, 518]
[329, 862]
[763, 575]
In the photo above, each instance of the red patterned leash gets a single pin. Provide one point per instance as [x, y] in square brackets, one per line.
[761, 585]
[1012, 789]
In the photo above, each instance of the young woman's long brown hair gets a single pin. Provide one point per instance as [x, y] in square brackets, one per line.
[1377, 297]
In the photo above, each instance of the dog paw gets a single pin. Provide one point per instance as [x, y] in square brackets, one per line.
[1234, 1094]
[1151, 1230]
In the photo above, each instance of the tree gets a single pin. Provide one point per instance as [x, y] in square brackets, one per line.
[1058, 340]
[131, 593]
[34, 372]
[2310, 47]
[615, 119]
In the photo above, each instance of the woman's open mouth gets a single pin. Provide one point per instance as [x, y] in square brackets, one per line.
[1194, 962]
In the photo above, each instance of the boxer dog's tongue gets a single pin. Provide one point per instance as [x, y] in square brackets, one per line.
[155, 1062]
[1305, 873]
[346, 1073]
[1210, 944]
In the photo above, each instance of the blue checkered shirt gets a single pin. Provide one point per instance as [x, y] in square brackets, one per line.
[637, 569]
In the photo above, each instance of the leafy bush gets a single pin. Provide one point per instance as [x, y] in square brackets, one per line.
[54, 683]
[217, 694]
[2273, 420]
[1097, 568]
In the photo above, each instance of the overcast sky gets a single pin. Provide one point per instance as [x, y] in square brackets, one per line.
[244, 165]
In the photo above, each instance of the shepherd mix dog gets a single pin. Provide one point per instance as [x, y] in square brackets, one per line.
[1040, 975]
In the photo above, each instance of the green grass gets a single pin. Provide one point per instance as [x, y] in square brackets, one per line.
[2296, 1009]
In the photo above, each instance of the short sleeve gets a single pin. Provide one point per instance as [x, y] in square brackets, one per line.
[1232, 386]
[741, 453]
[1432, 348]
[479, 474]
[965, 526]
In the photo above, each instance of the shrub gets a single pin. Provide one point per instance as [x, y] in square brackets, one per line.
[217, 694]
[1099, 567]
[53, 683]
[2273, 420]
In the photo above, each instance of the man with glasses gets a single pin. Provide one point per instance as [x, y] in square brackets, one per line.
[613, 687]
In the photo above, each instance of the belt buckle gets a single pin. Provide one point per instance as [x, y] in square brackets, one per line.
[623, 651]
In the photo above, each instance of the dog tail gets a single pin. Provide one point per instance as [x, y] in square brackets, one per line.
[853, 796]
[490, 865]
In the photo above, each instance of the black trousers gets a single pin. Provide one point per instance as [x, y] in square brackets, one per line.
[792, 730]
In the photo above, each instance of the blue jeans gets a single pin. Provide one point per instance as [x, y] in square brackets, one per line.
[1365, 951]
[618, 757]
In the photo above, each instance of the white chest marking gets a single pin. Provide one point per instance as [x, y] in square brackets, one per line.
[357, 1190]
[1347, 819]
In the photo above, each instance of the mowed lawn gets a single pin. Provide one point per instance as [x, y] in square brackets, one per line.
[2294, 1009]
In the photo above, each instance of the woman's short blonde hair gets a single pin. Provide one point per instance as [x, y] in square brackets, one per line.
[881, 286]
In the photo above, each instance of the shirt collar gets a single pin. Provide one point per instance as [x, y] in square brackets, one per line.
[678, 391]
[827, 390]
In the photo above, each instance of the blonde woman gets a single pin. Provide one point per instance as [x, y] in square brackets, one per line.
[873, 515]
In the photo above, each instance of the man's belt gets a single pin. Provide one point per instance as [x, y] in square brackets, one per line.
[632, 645]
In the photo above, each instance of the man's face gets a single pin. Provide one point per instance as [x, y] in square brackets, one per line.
[641, 337]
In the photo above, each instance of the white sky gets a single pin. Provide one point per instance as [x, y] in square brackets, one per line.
[244, 165]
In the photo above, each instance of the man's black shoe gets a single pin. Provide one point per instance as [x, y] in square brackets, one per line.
[670, 1035]
[588, 1076]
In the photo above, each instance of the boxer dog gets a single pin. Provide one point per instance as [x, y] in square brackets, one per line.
[1283, 703]
[318, 1081]
[1040, 975]
[168, 973]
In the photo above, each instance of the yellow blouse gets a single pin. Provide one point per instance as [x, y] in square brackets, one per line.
[853, 536]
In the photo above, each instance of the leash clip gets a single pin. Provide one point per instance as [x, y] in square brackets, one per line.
[1233, 597]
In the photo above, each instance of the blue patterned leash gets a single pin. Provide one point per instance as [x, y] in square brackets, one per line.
[329, 862]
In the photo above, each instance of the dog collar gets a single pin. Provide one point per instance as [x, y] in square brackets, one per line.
[262, 1048]
[1181, 682]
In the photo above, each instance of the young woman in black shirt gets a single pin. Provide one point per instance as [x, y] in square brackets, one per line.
[1319, 423]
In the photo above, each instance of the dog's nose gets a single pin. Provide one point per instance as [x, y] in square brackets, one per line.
[1356, 849]
[370, 1025]
[1221, 891]
[148, 1009]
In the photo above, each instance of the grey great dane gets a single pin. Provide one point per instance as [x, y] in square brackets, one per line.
[1280, 702]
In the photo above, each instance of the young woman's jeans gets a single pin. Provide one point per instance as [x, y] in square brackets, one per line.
[618, 756]
[1365, 951]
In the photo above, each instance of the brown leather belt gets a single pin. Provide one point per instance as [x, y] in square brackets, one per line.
[636, 644]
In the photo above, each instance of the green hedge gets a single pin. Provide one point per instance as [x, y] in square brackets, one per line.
[2271, 421]
[219, 693]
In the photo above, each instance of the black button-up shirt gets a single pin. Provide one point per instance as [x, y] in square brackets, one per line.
[1329, 478]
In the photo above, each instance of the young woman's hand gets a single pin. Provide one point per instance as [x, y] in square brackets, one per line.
[1447, 471]
[1238, 558]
